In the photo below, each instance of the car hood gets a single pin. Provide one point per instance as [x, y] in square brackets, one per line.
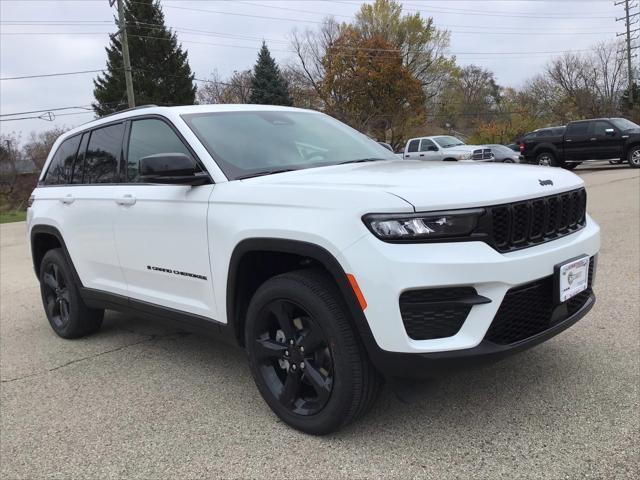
[432, 186]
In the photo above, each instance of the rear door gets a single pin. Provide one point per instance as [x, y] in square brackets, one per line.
[429, 150]
[412, 150]
[81, 182]
[606, 140]
[161, 230]
[577, 141]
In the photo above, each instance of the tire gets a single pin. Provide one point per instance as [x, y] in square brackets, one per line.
[508, 160]
[570, 166]
[306, 359]
[633, 157]
[67, 314]
[546, 159]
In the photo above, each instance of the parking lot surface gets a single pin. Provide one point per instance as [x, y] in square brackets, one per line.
[141, 400]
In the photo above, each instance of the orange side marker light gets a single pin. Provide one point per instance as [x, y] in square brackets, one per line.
[357, 291]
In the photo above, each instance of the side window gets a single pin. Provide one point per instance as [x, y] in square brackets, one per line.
[580, 128]
[61, 167]
[103, 154]
[78, 169]
[600, 127]
[543, 133]
[149, 137]
[413, 145]
[425, 144]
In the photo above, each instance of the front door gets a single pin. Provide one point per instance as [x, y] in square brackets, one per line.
[161, 230]
[577, 142]
[606, 141]
[429, 150]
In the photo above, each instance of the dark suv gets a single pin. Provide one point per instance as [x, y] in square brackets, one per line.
[584, 140]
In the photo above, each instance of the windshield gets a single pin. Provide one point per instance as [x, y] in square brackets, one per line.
[258, 142]
[446, 142]
[624, 124]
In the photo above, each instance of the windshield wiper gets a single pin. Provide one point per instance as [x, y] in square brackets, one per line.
[362, 160]
[265, 172]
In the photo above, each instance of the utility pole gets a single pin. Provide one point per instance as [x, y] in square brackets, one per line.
[628, 22]
[122, 24]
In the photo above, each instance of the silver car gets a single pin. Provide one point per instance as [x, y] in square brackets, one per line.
[504, 154]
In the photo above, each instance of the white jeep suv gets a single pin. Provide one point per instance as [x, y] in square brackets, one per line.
[335, 264]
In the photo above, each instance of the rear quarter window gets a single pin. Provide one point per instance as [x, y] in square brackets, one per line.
[60, 168]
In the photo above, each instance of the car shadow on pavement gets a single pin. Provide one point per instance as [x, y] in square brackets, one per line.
[528, 385]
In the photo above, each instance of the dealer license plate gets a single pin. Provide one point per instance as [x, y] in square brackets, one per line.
[572, 278]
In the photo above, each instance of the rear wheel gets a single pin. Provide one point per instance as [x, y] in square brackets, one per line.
[634, 157]
[68, 315]
[546, 159]
[508, 160]
[306, 360]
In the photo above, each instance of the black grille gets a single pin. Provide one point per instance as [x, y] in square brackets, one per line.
[529, 309]
[434, 313]
[524, 224]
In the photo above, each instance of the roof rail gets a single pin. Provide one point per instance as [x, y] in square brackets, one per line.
[150, 105]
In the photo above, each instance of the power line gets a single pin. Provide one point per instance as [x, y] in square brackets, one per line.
[44, 110]
[22, 77]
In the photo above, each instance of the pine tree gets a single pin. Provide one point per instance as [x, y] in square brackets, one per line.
[160, 69]
[268, 86]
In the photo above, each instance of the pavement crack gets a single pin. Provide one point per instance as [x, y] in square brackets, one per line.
[148, 338]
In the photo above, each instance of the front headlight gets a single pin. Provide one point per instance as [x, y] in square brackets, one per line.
[465, 156]
[423, 226]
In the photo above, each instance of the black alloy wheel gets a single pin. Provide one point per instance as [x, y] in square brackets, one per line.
[293, 357]
[306, 358]
[56, 295]
[67, 314]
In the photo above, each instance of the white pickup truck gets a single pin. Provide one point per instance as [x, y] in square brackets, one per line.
[445, 148]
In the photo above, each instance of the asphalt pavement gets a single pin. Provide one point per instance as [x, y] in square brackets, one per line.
[141, 400]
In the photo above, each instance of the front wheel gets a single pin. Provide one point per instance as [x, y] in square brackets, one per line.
[634, 157]
[307, 361]
[546, 159]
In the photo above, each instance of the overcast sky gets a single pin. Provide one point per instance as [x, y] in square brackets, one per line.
[494, 34]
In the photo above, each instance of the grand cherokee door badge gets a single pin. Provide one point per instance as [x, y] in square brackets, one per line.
[176, 272]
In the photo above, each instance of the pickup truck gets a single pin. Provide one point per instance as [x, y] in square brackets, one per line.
[584, 140]
[445, 148]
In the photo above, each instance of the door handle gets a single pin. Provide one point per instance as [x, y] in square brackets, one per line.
[67, 199]
[593, 139]
[422, 154]
[568, 140]
[126, 200]
[407, 156]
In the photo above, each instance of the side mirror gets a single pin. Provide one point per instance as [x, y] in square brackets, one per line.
[172, 169]
[432, 148]
[610, 132]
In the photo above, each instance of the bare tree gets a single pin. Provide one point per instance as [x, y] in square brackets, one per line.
[8, 168]
[235, 89]
[38, 146]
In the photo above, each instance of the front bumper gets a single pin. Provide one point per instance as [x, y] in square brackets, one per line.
[384, 271]
[432, 365]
